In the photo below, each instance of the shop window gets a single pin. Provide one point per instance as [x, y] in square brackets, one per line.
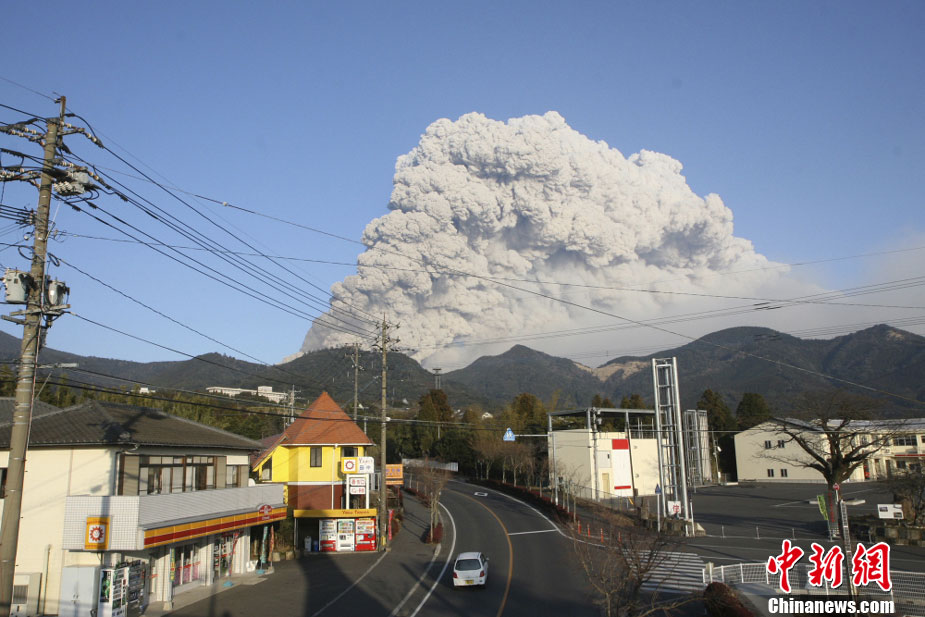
[315, 456]
[770, 473]
[186, 565]
[900, 464]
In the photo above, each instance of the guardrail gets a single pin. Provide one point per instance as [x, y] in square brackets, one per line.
[908, 591]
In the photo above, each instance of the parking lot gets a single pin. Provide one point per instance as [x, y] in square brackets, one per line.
[776, 510]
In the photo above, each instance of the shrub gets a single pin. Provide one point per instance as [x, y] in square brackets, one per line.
[721, 601]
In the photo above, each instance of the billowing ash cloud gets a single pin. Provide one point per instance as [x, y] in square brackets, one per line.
[533, 200]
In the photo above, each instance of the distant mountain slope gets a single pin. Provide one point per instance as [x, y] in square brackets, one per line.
[731, 362]
[521, 369]
[739, 360]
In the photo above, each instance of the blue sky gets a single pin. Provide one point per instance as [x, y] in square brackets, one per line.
[806, 119]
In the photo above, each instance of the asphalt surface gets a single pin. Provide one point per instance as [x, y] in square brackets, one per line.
[747, 523]
[530, 571]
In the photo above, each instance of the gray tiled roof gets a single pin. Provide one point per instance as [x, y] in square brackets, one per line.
[103, 423]
[8, 403]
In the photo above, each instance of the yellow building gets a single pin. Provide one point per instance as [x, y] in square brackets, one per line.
[321, 459]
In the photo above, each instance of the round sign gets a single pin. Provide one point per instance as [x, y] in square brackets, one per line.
[836, 486]
[350, 465]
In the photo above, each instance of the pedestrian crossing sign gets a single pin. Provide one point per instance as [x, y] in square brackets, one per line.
[509, 435]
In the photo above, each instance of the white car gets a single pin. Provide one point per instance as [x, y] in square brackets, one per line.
[470, 569]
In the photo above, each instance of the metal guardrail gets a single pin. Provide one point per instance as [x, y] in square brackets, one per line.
[908, 591]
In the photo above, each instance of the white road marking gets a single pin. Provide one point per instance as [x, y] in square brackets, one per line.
[445, 566]
[355, 583]
[523, 533]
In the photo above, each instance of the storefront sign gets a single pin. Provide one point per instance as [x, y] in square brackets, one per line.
[357, 485]
[96, 537]
[265, 512]
[198, 529]
[351, 513]
[367, 465]
[394, 474]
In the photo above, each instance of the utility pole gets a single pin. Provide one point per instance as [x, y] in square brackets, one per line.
[383, 491]
[356, 378]
[25, 382]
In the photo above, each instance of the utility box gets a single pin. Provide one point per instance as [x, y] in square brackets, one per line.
[26, 589]
[17, 285]
[80, 588]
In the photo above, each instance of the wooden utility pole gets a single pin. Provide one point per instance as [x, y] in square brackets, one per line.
[25, 382]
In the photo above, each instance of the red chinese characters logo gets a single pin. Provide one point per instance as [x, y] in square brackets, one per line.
[782, 564]
[872, 565]
[827, 566]
[868, 565]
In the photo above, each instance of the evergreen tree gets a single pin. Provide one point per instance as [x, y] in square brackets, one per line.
[722, 428]
[633, 401]
[752, 410]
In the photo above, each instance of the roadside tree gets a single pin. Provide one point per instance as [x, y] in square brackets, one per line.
[834, 434]
[622, 570]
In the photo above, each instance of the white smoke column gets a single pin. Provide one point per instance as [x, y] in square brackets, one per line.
[532, 199]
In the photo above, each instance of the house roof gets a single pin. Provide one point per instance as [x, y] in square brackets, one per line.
[8, 405]
[323, 423]
[899, 425]
[98, 423]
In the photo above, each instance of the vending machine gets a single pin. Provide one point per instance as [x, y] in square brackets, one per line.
[346, 536]
[327, 535]
[113, 592]
[366, 534]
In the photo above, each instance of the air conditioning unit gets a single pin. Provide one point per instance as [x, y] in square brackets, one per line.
[26, 587]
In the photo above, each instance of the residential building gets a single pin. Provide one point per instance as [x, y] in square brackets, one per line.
[766, 454]
[321, 459]
[133, 502]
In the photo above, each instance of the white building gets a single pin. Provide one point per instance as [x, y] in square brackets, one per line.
[765, 454]
[108, 484]
[263, 391]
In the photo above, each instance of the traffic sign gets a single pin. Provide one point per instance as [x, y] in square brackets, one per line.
[658, 489]
[509, 435]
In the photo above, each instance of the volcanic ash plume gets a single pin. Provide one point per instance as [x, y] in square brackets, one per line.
[531, 203]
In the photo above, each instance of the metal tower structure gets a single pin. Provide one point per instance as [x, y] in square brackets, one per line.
[672, 467]
[697, 447]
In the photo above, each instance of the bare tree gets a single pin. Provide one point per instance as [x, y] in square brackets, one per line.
[488, 447]
[909, 490]
[431, 481]
[624, 570]
[834, 434]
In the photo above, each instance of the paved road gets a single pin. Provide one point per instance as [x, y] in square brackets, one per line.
[747, 523]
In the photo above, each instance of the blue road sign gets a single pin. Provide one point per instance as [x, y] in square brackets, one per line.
[509, 435]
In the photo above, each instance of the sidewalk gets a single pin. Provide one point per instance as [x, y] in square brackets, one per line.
[305, 584]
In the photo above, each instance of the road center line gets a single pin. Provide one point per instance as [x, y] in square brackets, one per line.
[510, 552]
